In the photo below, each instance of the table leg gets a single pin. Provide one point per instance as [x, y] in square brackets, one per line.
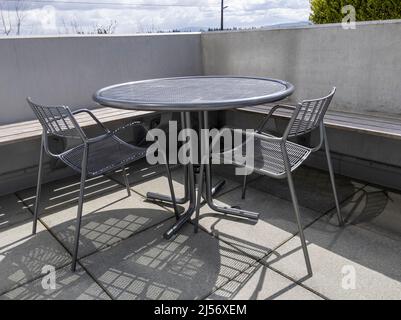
[185, 217]
[209, 194]
[194, 205]
[152, 196]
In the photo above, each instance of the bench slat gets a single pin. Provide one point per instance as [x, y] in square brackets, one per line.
[379, 126]
[15, 132]
[33, 126]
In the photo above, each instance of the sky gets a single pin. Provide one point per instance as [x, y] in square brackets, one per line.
[131, 16]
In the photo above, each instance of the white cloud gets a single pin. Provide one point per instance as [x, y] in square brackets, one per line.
[150, 16]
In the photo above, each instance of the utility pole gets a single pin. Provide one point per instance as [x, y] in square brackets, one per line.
[222, 14]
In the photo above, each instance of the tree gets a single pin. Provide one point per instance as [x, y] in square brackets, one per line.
[76, 28]
[12, 14]
[329, 11]
[6, 21]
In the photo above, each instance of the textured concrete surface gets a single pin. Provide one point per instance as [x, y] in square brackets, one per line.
[23, 255]
[124, 255]
[160, 184]
[370, 85]
[12, 211]
[292, 54]
[276, 222]
[307, 182]
[64, 193]
[109, 215]
[72, 68]
[348, 263]
[68, 286]
[149, 267]
[261, 283]
[107, 221]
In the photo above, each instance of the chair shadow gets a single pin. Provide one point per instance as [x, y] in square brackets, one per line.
[309, 183]
[152, 268]
[66, 288]
[22, 260]
[362, 210]
[63, 194]
[102, 229]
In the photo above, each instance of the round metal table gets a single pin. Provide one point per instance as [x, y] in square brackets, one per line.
[197, 95]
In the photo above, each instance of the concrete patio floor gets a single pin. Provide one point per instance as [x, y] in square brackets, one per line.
[123, 254]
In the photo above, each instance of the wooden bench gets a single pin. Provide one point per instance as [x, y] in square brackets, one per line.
[20, 151]
[28, 130]
[383, 126]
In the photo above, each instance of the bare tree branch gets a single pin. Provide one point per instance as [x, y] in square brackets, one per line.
[5, 20]
[75, 28]
[9, 21]
[19, 14]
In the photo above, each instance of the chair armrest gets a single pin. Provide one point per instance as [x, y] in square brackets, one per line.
[249, 135]
[98, 138]
[90, 113]
[264, 137]
[131, 124]
[285, 106]
[134, 124]
[272, 111]
[112, 133]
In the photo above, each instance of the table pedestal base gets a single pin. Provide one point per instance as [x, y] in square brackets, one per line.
[191, 192]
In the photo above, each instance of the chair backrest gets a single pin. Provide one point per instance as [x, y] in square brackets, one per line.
[308, 115]
[57, 120]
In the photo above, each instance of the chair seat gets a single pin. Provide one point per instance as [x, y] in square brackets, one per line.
[103, 156]
[268, 158]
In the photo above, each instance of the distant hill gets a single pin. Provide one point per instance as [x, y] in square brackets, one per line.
[274, 26]
[289, 25]
[193, 29]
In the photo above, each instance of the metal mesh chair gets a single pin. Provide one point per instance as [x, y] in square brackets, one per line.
[91, 157]
[277, 157]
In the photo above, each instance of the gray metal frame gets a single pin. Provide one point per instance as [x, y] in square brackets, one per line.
[194, 198]
[108, 97]
[171, 94]
[307, 116]
[60, 121]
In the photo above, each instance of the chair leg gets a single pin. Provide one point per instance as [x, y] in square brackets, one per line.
[296, 209]
[244, 187]
[170, 184]
[80, 207]
[126, 181]
[332, 179]
[38, 188]
[299, 223]
[198, 200]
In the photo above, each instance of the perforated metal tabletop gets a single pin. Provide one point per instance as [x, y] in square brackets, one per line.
[194, 93]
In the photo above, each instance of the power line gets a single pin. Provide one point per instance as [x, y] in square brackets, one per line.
[123, 4]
